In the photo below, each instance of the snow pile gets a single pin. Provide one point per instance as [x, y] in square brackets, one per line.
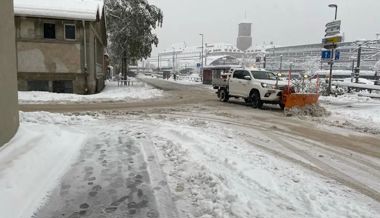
[353, 111]
[111, 93]
[50, 118]
[32, 163]
[347, 98]
[309, 110]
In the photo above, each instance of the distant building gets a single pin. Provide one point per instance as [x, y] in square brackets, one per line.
[9, 119]
[244, 40]
[61, 45]
[308, 57]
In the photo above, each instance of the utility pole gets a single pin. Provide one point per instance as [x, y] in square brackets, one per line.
[265, 61]
[201, 70]
[332, 50]
[174, 60]
[331, 69]
[206, 54]
[353, 70]
[158, 64]
[357, 70]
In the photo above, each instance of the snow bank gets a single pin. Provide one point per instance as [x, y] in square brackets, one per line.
[111, 93]
[32, 163]
[353, 111]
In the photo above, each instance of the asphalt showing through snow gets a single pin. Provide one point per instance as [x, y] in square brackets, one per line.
[110, 179]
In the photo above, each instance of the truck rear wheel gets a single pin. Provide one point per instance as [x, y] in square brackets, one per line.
[255, 100]
[223, 95]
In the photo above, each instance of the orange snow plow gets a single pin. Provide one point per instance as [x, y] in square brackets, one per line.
[291, 99]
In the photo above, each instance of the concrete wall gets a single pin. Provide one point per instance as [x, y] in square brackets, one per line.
[9, 120]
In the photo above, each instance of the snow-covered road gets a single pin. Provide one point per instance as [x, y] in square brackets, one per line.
[202, 158]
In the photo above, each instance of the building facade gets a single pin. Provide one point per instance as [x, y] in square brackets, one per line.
[61, 47]
[9, 120]
[308, 57]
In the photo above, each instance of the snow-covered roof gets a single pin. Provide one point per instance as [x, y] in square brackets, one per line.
[62, 9]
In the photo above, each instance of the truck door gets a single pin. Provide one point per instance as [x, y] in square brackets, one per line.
[245, 83]
[235, 83]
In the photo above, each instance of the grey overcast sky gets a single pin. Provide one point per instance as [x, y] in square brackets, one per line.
[285, 22]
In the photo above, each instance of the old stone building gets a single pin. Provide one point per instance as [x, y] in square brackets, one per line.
[60, 45]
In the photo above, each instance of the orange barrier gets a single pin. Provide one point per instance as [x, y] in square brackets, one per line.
[299, 99]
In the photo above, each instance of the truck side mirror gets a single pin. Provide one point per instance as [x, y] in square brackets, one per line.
[247, 77]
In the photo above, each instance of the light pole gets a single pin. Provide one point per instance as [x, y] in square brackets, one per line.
[336, 9]
[332, 50]
[357, 70]
[174, 61]
[280, 63]
[201, 34]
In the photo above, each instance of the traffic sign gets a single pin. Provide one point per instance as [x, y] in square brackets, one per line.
[333, 39]
[332, 42]
[326, 54]
[333, 28]
[337, 55]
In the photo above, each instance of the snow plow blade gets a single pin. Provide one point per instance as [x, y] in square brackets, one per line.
[300, 100]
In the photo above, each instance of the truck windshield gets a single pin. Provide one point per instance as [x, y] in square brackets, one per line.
[263, 75]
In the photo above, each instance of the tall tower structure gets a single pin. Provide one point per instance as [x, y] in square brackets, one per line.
[244, 40]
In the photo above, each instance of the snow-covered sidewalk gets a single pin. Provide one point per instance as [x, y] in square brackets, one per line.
[111, 93]
[33, 162]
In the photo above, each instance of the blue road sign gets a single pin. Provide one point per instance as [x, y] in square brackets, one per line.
[337, 55]
[326, 54]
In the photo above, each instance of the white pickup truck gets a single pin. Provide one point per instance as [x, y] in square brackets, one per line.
[255, 86]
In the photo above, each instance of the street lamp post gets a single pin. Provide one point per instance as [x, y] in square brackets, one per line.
[201, 34]
[357, 70]
[332, 50]
[336, 9]
[174, 67]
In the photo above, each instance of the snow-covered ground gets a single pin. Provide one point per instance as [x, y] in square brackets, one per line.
[216, 172]
[32, 163]
[353, 110]
[212, 171]
[111, 93]
[192, 79]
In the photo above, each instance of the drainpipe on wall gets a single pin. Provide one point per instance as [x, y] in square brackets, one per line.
[85, 57]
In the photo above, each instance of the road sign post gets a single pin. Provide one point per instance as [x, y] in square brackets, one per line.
[331, 41]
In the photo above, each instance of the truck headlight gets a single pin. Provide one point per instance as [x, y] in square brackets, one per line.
[264, 85]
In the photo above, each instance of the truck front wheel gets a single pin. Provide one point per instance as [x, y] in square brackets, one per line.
[223, 95]
[255, 100]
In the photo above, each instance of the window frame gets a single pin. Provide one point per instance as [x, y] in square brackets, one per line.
[75, 31]
[55, 30]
